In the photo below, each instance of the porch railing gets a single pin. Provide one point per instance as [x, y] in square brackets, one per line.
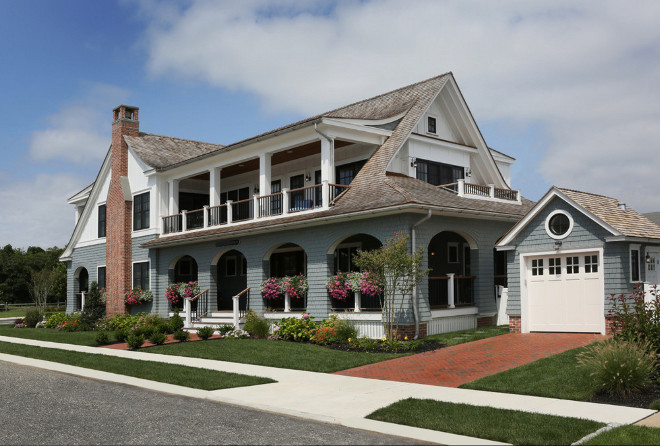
[450, 291]
[337, 191]
[217, 215]
[270, 205]
[172, 223]
[305, 198]
[196, 307]
[240, 305]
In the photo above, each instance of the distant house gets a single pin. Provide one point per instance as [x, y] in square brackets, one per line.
[569, 254]
[653, 216]
[302, 199]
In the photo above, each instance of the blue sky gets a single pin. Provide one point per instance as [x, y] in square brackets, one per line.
[567, 88]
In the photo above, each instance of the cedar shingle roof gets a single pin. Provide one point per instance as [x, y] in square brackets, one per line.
[161, 152]
[628, 222]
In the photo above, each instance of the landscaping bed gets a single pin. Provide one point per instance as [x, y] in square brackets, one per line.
[641, 399]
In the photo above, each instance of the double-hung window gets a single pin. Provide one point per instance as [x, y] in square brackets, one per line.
[141, 275]
[438, 173]
[141, 211]
[101, 219]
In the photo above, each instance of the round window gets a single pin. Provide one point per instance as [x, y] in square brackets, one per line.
[559, 224]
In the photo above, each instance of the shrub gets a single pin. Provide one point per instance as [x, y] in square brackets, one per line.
[223, 329]
[237, 334]
[324, 336]
[158, 338]
[256, 326]
[32, 317]
[181, 335]
[634, 320]
[655, 405]
[135, 341]
[56, 319]
[205, 332]
[176, 323]
[101, 337]
[365, 344]
[121, 334]
[618, 367]
[94, 309]
[294, 329]
[343, 329]
[73, 325]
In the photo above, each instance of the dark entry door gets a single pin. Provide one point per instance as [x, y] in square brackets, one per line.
[232, 278]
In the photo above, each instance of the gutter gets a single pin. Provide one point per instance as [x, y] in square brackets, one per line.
[415, 303]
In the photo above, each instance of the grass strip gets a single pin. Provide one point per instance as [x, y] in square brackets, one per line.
[463, 336]
[49, 334]
[556, 376]
[510, 426]
[628, 435]
[155, 371]
[283, 354]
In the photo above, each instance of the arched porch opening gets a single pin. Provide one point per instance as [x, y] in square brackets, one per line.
[450, 262]
[183, 269]
[80, 285]
[231, 277]
[341, 259]
[284, 260]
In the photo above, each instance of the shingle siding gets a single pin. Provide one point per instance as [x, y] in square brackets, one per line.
[88, 257]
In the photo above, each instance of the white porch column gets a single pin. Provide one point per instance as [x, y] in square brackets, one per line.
[264, 173]
[327, 167]
[237, 320]
[214, 188]
[255, 206]
[82, 300]
[184, 221]
[287, 303]
[186, 308]
[285, 201]
[174, 197]
[206, 216]
[450, 291]
[230, 209]
[358, 301]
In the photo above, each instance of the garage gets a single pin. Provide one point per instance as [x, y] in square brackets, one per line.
[565, 292]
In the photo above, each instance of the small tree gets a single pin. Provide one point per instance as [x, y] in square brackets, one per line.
[41, 282]
[398, 271]
[94, 307]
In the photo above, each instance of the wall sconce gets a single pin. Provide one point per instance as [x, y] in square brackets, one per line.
[558, 244]
[648, 258]
[256, 189]
[468, 172]
[308, 178]
[413, 162]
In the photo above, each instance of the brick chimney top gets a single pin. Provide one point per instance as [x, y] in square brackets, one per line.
[128, 112]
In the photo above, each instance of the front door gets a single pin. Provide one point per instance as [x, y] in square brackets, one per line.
[652, 266]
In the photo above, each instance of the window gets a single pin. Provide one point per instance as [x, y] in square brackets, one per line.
[431, 125]
[559, 224]
[438, 173]
[141, 211]
[537, 267]
[100, 277]
[554, 266]
[634, 264]
[344, 256]
[141, 275]
[101, 221]
[452, 252]
[573, 265]
[590, 264]
[346, 172]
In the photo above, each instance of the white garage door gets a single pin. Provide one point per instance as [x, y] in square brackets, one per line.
[565, 293]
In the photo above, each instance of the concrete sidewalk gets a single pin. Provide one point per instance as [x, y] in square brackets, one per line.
[343, 400]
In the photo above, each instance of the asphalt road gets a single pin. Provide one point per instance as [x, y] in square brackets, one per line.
[44, 407]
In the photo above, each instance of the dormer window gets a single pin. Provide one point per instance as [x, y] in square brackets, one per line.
[431, 125]
[438, 173]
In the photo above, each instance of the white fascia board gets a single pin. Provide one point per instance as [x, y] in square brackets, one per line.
[94, 193]
[540, 205]
[441, 143]
[81, 196]
[369, 122]
[353, 132]
[502, 158]
[466, 116]
[623, 238]
[505, 248]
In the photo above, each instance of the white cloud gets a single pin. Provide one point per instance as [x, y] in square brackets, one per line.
[79, 133]
[37, 214]
[585, 71]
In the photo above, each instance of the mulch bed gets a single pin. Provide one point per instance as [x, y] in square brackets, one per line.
[425, 346]
[642, 399]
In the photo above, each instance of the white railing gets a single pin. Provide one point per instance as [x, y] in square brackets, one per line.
[280, 204]
[482, 191]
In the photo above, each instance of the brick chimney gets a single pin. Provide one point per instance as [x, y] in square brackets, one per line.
[119, 212]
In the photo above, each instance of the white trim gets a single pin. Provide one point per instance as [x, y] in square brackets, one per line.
[362, 316]
[524, 302]
[441, 143]
[434, 117]
[97, 274]
[540, 205]
[570, 224]
[451, 312]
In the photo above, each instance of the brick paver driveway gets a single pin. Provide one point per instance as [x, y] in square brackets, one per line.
[453, 366]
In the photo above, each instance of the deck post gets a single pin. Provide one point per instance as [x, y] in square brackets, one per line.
[358, 301]
[236, 313]
[187, 308]
[450, 291]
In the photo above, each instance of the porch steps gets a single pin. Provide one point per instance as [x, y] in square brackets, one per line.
[213, 319]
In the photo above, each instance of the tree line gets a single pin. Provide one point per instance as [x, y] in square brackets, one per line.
[31, 275]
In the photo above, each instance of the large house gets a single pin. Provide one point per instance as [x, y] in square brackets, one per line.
[302, 199]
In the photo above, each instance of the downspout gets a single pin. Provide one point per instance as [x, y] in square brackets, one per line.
[415, 304]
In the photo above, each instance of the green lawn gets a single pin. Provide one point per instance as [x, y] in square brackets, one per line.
[49, 334]
[460, 337]
[628, 435]
[283, 354]
[510, 426]
[155, 371]
[13, 312]
[555, 377]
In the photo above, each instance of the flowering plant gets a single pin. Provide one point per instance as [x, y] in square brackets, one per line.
[189, 290]
[272, 288]
[138, 296]
[172, 294]
[339, 286]
[370, 286]
[296, 286]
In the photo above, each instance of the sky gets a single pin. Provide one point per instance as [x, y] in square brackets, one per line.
[568, 88]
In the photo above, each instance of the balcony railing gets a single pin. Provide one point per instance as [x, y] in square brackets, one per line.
[481, 191]
[282, 203]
